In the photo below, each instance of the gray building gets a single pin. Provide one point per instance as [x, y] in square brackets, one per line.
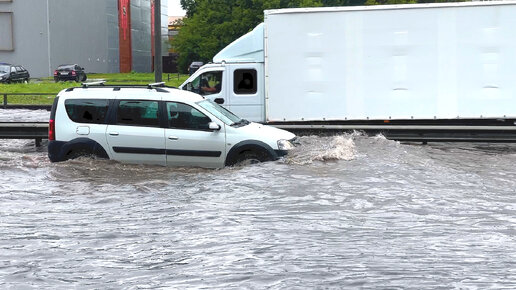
[42, 34]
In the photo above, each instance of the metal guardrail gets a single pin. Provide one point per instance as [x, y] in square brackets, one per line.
[24, 130]
[6, 104]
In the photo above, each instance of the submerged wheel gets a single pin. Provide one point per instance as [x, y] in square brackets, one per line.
[76, 153]
[251, 157]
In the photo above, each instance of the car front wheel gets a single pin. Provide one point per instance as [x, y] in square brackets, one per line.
[251, 157]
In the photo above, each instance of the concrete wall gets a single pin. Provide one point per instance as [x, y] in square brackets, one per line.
[85, 33]
[141, 35]
[30, 35]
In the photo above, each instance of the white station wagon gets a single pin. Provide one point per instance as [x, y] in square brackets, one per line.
[156, 125]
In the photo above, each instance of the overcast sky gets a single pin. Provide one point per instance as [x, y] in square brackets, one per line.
[174, 8]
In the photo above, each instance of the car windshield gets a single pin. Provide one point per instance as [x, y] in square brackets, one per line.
[4, 68]
[220, 112]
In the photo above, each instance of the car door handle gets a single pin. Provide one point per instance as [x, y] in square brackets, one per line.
[219, 101]
[173, 138]
[113, 133]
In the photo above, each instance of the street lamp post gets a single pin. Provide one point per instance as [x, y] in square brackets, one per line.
[158, 67]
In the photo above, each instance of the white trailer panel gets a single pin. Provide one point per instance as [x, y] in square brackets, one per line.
[392, 62]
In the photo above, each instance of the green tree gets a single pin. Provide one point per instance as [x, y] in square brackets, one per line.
[189, 6]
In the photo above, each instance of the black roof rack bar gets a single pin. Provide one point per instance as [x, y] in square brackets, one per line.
[100, 84]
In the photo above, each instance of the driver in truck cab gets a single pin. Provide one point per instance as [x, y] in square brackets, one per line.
[216, 78]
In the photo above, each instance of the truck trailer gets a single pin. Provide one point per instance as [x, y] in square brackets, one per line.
[421, 72]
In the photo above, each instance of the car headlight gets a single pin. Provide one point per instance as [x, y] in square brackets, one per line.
[285, 145]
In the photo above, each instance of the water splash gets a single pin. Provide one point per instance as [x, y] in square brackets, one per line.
[316, 148]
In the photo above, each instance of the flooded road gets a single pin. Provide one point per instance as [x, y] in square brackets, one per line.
[345, 211]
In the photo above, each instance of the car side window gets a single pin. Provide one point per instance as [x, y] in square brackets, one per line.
[182, 116]
[90, 111]
[13, 69]
[244, 82]
[138, 113]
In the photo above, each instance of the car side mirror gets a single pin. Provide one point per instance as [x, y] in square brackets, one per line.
[188, 87]
[213, 126]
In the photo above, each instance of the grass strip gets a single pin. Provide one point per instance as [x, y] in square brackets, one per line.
[48, 86]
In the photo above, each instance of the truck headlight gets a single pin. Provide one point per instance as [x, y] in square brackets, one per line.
[285, 145]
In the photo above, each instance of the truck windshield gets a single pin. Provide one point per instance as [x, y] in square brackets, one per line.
[220, 112]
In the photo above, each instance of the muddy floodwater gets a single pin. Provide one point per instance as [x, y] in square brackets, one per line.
[345, 211]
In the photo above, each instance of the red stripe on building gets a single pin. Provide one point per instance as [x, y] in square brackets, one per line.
[124, 33]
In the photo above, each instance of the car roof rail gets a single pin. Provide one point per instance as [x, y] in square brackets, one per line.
[154, 85]
[91, 84]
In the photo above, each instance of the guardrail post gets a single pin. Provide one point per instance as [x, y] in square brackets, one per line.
[5, 101]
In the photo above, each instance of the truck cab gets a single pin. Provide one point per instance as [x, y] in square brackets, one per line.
[236, 86]
[236, 78]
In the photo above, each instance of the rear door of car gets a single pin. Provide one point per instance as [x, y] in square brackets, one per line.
[136, 134]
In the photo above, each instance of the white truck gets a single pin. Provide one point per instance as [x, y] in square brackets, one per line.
[422, 72]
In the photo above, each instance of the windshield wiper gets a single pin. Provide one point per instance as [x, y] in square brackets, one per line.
[241, 123]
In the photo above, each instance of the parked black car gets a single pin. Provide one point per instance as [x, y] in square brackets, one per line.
[70, 72]
[13, 73]
[194, 66]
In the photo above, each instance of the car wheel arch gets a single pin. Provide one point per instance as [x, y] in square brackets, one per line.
[249, 145]
[83, 146]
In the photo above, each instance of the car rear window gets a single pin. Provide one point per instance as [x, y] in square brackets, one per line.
[87, 110]
[65, 67]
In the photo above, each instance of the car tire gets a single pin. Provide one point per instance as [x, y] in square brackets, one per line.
[77, 79]
[251, 157]
[79, 152]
